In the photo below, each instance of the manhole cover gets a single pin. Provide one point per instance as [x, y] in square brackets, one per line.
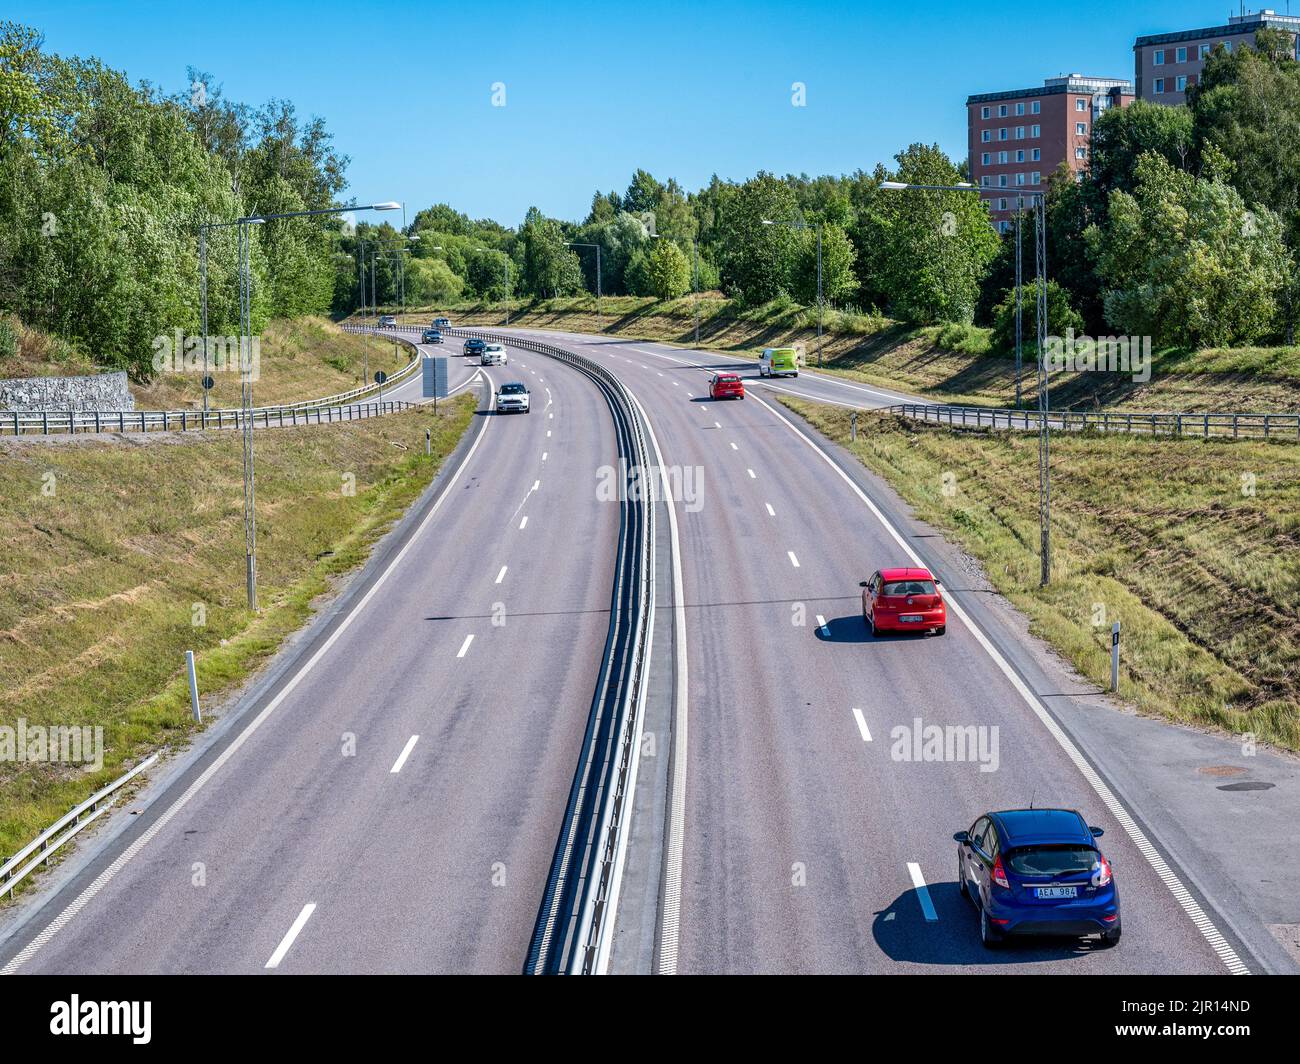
[1221, 770]
[1246, 786]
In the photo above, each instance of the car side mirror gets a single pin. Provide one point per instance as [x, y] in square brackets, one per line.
[862, 583]
[962, 836]
[1096, 832]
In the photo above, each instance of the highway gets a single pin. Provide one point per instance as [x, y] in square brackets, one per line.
[387, 799]
[408, 786]
[808, 847]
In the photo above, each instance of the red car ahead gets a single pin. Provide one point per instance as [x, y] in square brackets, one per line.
[903, 600]
[726, 386]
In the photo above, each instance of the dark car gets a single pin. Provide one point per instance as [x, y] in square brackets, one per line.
[474, 346]
[388, 322]
[1037, 872]
[431, 336]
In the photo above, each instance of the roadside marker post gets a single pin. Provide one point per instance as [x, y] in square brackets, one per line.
[194, 686]
[428, 436]
[853, 425]
[1114, 657]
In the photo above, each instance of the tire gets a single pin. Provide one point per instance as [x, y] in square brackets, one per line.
[875, 632]
[989, 937]
[941, 629]
[962, 889]
[1110, 938]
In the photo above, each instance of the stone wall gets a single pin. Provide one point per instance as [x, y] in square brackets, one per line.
[103, 391]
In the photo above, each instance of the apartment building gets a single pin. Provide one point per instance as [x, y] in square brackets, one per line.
[1017, 139]
[1166, 65]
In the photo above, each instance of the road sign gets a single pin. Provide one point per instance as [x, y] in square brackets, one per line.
[435, 376]
[380, 377]
[208, 384]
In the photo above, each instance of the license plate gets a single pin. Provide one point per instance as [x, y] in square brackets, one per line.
[1056, 892]
[911, 619]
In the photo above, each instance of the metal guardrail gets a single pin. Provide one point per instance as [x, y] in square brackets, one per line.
[575, 922]
[330, 409]
[11, 875]
[1203, 425]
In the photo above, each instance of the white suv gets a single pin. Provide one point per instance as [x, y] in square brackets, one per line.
[512, 398]
[494, 355]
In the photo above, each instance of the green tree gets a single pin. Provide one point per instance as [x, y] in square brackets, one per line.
[754, 258]
[669, 270]
[550, 268]
[1060, 317]
[839, 281]
[1124, 134]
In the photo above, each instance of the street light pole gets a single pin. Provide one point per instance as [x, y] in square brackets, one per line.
[246, 367]
[1039, 200]
[695, 298]
[203, 309]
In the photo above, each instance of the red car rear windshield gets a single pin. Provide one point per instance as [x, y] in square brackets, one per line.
[908, 587]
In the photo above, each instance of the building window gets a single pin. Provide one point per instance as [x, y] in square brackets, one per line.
[986, 135]
[1204, 51]
[1020, 155]
[1160, 85]
[1036, 154]
[1182, 55]
[1020, 108]
[1020, 179]
[1002, 204]
[1002, 110]
[1002, 133]
[1035, 107]
[1080, 129]
[1036, 178]
[985, 180]
[1002, 180]
[1081, 104]
[984, 159]
[1227, 46]
[1002, 157]
[1181, 83]
[1081, 153]
[1035, 131]
[1020, 132]
[984, 112]
[1158, 57]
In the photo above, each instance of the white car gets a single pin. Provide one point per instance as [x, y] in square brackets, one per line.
[494, 355]
[512, 398]
[388, 322]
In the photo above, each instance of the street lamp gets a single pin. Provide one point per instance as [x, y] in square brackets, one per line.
[203, 294]
[574, 244]
[1039, 200]
[246, 383]
[803, 225]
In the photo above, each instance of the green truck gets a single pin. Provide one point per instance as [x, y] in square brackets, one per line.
[778, 362]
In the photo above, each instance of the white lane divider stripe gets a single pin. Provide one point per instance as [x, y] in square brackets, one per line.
[464, 647]
[523, 524]
[501, 575]
[793, 560]
[922, 892]
[770, 511]
[406, 752]
[734, 447]
[292, 933]
[752, 474]
[862, 725]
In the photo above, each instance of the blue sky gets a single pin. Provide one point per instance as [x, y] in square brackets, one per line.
[593, 91]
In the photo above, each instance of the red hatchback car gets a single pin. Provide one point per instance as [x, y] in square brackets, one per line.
[903, 600]
[726, 386]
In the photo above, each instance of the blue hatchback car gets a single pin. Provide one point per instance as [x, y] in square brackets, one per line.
[1037, 872]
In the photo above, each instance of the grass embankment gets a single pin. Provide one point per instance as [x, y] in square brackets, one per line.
[306, 358]
[1194, 546]
[27, 352]
[104, 583]
[949, 364]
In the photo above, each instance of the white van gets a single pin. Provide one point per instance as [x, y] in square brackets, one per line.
[494, 355]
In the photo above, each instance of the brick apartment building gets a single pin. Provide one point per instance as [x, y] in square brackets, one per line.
[1017, 139]
[1166, 64]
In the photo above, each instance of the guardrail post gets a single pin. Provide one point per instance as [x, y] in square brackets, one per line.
[142, 425]
[1265, 426]
[45, 423]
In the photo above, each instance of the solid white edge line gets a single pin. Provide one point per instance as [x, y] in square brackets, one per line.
[1189, 905]
[922, 892]
[863, 730]
[291, 934]
[102, 880]
[406, 752]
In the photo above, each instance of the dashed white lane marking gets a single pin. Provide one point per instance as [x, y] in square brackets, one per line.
[502, 575]
[544, 454]
[536, 484]
[548, 434]
[550, 416]
[770, 511]
[690, 395]
[821, 626]
[406, 752]
[862, 725]
[793, 560]
[523, 522]
[292, 933]
[717, 424]
[1190, 906]
[752, 474]
[464, 647]
[922, 892]
[734, 447]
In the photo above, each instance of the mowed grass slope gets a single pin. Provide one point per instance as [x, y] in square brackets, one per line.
[306, 358]
[948, 364]
[138, 555]
[1194, 546]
